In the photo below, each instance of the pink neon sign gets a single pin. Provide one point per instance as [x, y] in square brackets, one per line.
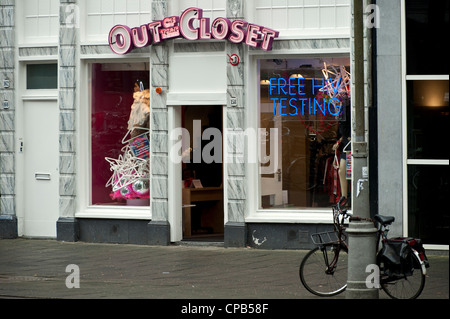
[191, 25]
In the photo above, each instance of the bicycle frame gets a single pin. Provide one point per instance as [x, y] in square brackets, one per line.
[339, 217]
[332, 266]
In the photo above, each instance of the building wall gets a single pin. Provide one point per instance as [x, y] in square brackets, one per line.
[79, 37]
[236, 172]
[68, 101]
[389, 88]
[8, 221]
[159, 124]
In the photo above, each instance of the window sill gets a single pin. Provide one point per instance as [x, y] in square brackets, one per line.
[310, 216]
[114, 212]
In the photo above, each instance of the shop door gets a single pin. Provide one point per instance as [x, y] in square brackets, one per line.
[40, 149]
[202, 174]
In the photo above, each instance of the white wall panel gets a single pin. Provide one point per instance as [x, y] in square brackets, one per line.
[200, 73]
[211, 8]
[303, 17]
[101, 15]
[39, 21]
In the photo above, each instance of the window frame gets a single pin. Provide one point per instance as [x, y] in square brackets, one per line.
[55, 63]
[37, 94]
[84, 182]
[406, 161]
[255, 214]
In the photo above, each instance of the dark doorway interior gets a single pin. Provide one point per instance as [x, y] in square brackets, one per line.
[203, 210]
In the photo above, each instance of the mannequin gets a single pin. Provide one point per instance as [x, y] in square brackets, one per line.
[140, 111]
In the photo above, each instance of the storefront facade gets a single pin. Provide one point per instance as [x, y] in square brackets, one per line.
[252, 120]
[411, 99]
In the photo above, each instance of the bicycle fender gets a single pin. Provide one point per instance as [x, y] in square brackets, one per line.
[422, 264]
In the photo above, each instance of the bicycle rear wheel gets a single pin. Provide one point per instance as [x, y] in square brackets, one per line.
[323, 271]
[404, 287]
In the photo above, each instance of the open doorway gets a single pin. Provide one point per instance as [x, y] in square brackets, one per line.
[202, 173]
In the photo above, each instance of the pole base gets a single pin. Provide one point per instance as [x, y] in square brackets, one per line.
[362, 237]
[359, 290]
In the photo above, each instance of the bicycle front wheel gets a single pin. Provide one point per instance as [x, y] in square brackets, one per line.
[405, 286]
[323, 271]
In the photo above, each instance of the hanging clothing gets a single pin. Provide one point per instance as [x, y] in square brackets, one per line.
[332, 186]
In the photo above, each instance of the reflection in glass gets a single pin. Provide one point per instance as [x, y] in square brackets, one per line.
[426, 21]
[42, 76]
[302, 115]
[428, 112]
[428, 214]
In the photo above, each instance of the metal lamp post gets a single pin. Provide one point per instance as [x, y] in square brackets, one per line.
[361, 233]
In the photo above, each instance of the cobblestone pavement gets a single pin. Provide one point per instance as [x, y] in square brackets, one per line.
[37, 269]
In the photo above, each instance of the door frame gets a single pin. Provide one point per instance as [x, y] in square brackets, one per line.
[175, 211]
[23, 94]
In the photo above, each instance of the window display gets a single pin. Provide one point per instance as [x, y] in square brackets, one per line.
[304, 109]
[120, 108]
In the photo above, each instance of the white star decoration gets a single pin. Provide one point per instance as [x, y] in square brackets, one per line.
[127, 169]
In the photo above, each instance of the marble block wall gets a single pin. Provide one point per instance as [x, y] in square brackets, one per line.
[68, 57]
[235, 124]
[7, 110]
[159, 122]
[235, 179]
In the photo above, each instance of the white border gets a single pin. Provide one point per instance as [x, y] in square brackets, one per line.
[404, 119]
[425, 77]
[196, 98]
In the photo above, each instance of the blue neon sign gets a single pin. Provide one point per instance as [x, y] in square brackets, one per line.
[282, 94]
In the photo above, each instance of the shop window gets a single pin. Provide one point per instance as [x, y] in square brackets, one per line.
[428, 189]
[425, 22]
[428, 112]
[120, 107]
[42, 76]
[304, 110]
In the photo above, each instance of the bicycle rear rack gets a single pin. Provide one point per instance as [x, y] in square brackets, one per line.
[329, 237]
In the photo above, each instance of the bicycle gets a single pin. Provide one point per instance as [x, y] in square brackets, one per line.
[331, 252]
[402, 274]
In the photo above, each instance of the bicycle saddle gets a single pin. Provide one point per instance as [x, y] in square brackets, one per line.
[384, 220]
